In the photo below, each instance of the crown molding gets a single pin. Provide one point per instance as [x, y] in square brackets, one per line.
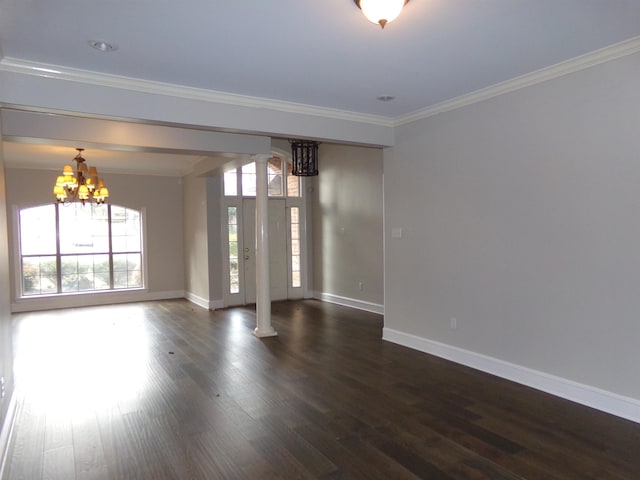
[612, 52]
[15, 65]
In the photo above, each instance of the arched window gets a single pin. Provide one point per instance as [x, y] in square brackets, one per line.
[79, 249]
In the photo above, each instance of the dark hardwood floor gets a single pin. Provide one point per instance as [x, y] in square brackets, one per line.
[166, 390]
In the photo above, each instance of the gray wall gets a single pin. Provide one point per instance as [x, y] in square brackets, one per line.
[520, 217]
[196, 250]
[161, 197]
[217, 281]
[347, 223]
[203, 241]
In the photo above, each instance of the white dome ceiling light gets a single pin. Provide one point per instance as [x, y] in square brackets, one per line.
[381, 12]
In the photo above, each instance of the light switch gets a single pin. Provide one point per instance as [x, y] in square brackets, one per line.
[396, 232]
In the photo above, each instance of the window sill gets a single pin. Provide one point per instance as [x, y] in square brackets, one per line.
[78, 299]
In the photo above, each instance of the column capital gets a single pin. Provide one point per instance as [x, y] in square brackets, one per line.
[262, 157]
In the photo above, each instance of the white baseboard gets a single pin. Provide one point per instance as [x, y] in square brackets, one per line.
[216, 304]
[6, 432]
[90, 299]
[599, 399]
[349, 302]
[200, 301]
[203, 302]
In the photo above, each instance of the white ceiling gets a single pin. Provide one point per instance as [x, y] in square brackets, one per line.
[316, 53]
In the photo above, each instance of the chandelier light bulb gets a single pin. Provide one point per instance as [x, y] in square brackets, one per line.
[381, 12]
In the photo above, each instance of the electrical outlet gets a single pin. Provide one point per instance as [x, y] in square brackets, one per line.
[1, 387]
[454, 323]
[360, 286]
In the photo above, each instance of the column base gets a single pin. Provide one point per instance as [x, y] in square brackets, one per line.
[270, 332]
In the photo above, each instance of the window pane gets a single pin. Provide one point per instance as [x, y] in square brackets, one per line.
[233, 233]
[125, 229]
[79, 224]
[119, 243]
[231, 183]
[127, 272]
[233, 250]
[119, 280]
[69, 264]
[70, 283]
[38, 230]
[39, 275]
[102, 273]
[274, 177]
[293, 182]
[85, 282]
[249, 180]
[133, 261]
[275, 186]
[134, 279]
[232, 225]
[101, 263]
[295, 263]
[235, 284]
[295, 247]
[85, 272]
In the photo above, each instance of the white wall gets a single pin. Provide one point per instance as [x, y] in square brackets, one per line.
[347, 226]
[520, 217]
[161, 197]
[6, 356]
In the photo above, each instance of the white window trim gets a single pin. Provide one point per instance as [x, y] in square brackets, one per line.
[27, 303]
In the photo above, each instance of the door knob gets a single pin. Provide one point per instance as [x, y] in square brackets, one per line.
[246, 249]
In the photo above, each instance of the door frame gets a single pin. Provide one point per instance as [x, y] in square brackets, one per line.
[236, 299]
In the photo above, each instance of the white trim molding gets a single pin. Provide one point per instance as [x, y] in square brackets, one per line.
[203, 302]
[612, 52]
[216, 304]
[6, 433]
[37, 69]
[33, 304]
[16, 65]
[197, 300]
[349, 302]
[593, 397]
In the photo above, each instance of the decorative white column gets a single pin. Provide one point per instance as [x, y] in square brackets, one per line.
[263, 282]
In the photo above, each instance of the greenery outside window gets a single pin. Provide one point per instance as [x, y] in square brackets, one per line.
[79, 249]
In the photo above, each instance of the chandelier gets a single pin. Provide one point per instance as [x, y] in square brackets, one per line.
[381, 12]
[304, 158]
[81, 185]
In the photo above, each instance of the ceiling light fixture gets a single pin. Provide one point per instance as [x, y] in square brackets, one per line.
[82, 185]
[381, 12]
[304, 158]
[102, 46]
